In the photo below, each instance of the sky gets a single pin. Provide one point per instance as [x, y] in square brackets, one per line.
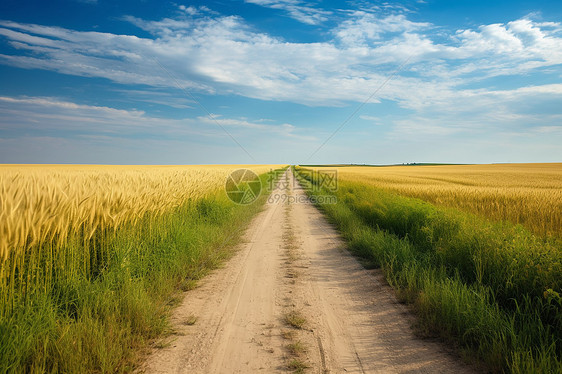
[280, 81]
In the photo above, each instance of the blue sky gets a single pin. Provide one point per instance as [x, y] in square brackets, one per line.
[269, 81]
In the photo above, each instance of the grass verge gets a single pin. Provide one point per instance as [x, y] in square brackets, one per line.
[71, 316]
[492, 288]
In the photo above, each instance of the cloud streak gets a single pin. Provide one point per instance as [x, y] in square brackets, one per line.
[296, 9]
[44, 115]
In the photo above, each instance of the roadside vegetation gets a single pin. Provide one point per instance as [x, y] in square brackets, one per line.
[490, 287]
[94, 258]
[526, 194]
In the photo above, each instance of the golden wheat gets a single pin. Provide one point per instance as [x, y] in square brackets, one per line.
[527, 194]
[45, 203]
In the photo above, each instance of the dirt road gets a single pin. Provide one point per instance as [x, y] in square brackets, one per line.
[291, 298]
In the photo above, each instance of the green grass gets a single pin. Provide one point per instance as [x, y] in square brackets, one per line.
[492, 288]
[99, 302]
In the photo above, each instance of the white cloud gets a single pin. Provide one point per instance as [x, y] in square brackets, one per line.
[224, 55]
[195, 10]
[158, 97]
[49, 102]
[296, 9]
[377, 121]
[369, 118]
[485, 114]
[53, 130]
[364, 28]
[40, 114]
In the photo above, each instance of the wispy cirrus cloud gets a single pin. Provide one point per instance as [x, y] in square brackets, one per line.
[54, 130]
[296, 9]
[48, 114]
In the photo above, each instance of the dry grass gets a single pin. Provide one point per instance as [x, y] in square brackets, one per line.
[191, 320]
[527, 194]
[296, 348]
[294, 319]
[297, 366]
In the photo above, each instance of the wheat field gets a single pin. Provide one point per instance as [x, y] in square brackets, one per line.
[527, 194]
[494, 288]
[91, 254]
[42, 207]
[46, 203]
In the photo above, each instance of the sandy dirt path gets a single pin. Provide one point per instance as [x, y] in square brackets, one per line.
[294, 264]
